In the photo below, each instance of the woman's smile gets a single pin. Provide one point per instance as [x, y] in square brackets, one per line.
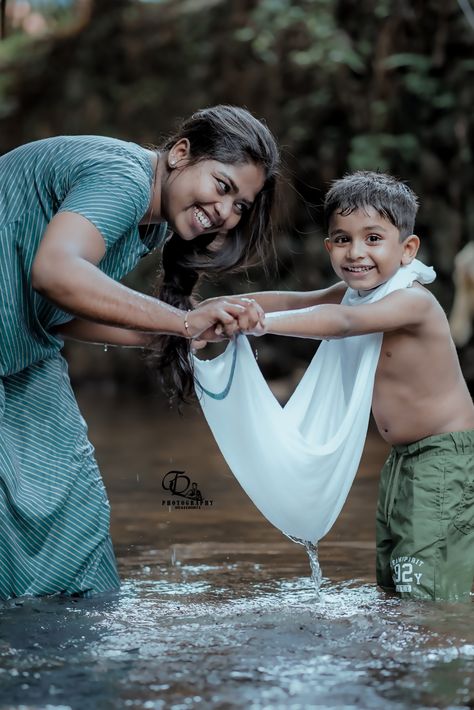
[202, 219]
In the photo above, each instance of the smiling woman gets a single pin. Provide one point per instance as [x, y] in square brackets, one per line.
[216, 178]
[76, 214]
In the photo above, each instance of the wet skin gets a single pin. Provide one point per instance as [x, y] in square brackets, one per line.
[205, 197]
[418, 367]
[419, 388]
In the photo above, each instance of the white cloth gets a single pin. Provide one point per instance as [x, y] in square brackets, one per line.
[297, 463]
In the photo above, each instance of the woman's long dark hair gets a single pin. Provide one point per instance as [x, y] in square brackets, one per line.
[231, 135]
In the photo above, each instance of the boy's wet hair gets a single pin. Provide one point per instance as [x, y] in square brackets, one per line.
[390, 197]
[232, 135]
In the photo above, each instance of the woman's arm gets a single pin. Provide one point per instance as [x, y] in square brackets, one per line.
[89, 332]
[65, 272]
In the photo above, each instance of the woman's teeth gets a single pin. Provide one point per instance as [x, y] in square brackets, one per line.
[202, 218]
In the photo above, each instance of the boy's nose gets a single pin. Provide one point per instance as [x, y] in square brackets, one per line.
[356, 250]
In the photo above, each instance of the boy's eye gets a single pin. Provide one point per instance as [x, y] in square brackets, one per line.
[373, 238]
[341, 240]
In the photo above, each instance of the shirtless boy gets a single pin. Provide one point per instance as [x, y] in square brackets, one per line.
[421, 404]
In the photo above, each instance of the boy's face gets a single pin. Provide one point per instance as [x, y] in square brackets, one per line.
[365, 248]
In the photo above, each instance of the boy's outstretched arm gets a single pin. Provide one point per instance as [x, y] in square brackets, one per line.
[292, 300]
[406, 308]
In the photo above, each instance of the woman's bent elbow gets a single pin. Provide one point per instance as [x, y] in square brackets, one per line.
[45, 278]
[38, 277]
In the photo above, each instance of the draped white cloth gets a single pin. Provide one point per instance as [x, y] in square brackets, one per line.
[297, 462]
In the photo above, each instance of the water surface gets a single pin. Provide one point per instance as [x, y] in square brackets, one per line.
[217, 608]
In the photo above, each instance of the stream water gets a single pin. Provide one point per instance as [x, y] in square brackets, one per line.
[217, 608]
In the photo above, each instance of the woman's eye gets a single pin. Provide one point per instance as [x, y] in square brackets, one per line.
[223, 186]
[241, 207]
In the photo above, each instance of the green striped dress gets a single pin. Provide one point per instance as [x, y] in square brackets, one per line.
[54, 512]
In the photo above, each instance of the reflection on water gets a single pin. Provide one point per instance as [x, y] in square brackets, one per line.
[218, 609]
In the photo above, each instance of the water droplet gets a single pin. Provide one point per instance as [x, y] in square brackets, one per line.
[106, 347]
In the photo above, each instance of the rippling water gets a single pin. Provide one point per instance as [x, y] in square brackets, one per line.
[218, 609]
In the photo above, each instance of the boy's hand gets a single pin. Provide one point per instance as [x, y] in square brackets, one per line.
[260, 329]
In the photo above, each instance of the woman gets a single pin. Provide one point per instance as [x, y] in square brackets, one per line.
[77, 213]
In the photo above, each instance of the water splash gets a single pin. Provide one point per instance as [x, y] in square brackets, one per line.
[312, 550]
[316, 573]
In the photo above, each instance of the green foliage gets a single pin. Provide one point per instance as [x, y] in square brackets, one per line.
[318, 38]
[375, 84]
[375, 150]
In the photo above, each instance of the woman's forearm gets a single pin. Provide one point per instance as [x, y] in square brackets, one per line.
[85, 291]
[89, 332]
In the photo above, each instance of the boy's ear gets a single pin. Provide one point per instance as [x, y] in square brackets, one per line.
[328, 244]
[410, 249]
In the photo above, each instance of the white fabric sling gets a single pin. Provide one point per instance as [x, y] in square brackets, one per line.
[297, 462]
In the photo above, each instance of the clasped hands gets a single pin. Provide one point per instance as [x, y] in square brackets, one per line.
[222, 318]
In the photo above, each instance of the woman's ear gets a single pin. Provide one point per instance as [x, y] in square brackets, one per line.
[179, 154]
[410, 249]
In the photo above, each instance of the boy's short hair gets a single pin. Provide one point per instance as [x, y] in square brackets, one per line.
[391, 198]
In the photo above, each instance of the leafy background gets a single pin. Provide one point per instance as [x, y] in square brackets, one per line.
[344, 84]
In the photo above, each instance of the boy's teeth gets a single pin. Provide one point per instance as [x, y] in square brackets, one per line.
[202, 218]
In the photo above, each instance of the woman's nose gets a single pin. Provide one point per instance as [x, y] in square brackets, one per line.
[224, 209]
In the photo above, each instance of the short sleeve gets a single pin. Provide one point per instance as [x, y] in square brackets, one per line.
[111, 191]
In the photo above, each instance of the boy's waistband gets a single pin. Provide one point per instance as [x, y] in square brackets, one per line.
[460, 442]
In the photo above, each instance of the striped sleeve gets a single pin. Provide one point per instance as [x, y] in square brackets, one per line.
[113, 194]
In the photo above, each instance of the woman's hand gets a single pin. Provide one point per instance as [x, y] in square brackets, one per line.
[218, 318]
[250, 316]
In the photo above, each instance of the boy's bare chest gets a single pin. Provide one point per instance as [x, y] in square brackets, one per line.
[410, 362]
[400, 359]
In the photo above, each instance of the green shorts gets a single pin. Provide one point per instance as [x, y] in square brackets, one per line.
[425, 518]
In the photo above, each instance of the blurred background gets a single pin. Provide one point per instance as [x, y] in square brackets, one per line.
[343, 84]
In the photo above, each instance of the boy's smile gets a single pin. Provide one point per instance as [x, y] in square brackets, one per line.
[365, 248]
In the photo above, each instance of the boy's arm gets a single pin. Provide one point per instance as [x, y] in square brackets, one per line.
[292, 300]
[90, 332]
[405, 308]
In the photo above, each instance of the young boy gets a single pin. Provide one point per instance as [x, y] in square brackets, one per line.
[421, 404]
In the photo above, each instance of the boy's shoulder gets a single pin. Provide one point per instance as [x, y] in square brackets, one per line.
[418, 296]
[412, 309]
[420, 306]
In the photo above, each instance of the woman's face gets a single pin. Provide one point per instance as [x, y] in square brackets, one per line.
[208, 196]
